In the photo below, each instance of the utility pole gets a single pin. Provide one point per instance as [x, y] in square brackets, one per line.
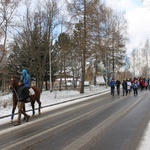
[113, 65]
[50, 67]
[106, 67]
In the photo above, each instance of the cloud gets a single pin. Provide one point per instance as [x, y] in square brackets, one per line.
[138, 26]
[121, 5]
[138, 18]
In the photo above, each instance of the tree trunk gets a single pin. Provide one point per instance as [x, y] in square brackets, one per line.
[84, 51]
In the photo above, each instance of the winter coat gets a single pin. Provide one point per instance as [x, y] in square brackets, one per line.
[22, 93]
[124, 84]
[25, 78]
[118, 83]
[113, 83]
[129, 85]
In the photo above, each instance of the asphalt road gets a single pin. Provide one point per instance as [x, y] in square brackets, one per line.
[100, 123]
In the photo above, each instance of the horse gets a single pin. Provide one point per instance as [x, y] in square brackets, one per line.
[13, 85]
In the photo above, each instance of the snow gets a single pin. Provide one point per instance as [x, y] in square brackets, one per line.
[57, 99]
[145, 142]
[53, 99]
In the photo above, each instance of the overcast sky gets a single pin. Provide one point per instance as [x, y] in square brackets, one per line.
[138, 17]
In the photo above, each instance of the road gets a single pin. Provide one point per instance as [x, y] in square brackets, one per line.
[100, 123]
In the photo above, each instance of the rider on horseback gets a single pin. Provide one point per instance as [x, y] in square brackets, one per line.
[25, 77]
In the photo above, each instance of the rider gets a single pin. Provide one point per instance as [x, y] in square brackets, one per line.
[25, 77]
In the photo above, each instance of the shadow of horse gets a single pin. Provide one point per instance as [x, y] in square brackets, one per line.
[13, 85]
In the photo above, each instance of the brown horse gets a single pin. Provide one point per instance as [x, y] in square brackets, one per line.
[36, 97]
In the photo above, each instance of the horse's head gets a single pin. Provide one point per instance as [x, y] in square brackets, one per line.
[13, 84]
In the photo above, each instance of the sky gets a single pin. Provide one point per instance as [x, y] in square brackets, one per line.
[138, 18]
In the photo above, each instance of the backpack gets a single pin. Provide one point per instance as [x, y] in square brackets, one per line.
[113, 83]
[135, 85]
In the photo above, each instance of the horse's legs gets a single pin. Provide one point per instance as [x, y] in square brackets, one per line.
[39, 109]
[39, 102]
[14, 107]
[33, 109]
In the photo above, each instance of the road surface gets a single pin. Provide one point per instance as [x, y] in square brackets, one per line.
[98, 123]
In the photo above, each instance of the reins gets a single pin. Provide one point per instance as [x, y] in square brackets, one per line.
[13, 89]
[15, 93]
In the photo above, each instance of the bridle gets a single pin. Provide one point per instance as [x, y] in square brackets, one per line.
[12, 88]
[10, 85]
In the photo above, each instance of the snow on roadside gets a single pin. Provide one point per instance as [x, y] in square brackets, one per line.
[48, 98]
[145, 142]
[51, 98]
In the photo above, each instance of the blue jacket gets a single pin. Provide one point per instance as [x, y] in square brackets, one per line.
[135, 85]
[113, 83]
[25, 78]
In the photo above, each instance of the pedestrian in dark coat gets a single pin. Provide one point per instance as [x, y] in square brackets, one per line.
[118, 86]
[22, 95]
[124, 87]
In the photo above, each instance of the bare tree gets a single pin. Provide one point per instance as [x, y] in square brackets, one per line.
[81, 11]
[7, 14]
[114, 41]
[76, 10]
[134, 61]
[34, 40]
[7, 11]
[145, 54]
[146, 2]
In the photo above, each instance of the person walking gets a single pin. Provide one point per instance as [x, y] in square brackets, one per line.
[135, 88]
[124, 87]
[112, 86]
[22, 95]
[118, 86]
[149, 83]
[128, 86]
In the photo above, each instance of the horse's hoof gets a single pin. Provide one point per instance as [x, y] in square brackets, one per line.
[24, 119]
[11, 121]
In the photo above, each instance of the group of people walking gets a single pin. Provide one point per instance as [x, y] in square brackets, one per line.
[127, 85]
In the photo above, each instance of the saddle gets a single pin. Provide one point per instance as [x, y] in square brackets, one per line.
[31, 92]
